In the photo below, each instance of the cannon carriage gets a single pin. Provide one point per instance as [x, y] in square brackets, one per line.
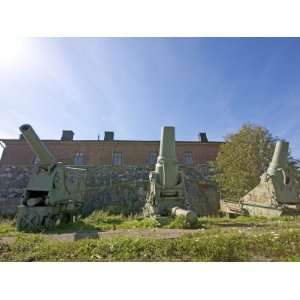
[54, 193]
[275, 195]
[167, 193]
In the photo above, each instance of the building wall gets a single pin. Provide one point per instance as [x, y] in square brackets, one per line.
[114, 189]
[18, 152]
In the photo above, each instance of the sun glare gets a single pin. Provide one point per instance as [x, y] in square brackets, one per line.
[10, 50]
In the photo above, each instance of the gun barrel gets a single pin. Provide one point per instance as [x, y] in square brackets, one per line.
[188, 214]
[166, 162]
[279, 159]
[37, 146]
[167, 143]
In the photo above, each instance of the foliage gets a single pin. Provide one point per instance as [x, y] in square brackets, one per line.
[219, 239]
[7, 226]
[180, 222]
[106, 221]
[294, 165]
[242, 160]
[207, 245]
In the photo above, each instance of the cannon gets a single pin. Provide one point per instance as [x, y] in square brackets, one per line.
[167, 189]
[54, 193]
[275, 195]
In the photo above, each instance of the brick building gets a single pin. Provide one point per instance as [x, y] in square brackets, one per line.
[118, 171]
[108, 151]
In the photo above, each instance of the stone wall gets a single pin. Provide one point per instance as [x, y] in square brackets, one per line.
[12, 182]
[115, 189]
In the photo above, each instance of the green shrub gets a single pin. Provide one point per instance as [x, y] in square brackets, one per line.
[180, 222]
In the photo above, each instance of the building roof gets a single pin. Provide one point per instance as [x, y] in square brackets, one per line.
[114, 141]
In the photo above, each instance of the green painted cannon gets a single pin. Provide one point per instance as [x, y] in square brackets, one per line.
[167, 188]
[276, 194]
[54, 193]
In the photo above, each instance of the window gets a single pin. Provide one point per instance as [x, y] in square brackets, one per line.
[204, 170]
[79, 159]
[117, 159]
[188, 158]
[152, 157]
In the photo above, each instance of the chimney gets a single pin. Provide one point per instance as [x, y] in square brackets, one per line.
[108, 136]
[67, 135]
[202, 137]
[21, 137]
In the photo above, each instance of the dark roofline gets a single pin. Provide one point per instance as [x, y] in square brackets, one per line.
[106, 142]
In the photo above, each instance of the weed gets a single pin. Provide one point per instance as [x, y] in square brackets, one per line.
[224, 239]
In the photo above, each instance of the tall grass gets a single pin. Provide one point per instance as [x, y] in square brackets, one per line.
[215, 245]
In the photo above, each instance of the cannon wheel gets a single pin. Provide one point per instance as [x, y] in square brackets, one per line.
[29, 222]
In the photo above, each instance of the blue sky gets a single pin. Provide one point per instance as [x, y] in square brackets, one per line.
[134, 86]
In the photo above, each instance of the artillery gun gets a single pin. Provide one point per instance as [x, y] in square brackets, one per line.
[54, 193]
[167, 189]
[275, 195]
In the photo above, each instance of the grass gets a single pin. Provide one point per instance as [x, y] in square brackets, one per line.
[207, 246]
[221, 239]
[104, 221]
[7, 227]
[99, 220]
[180, 222]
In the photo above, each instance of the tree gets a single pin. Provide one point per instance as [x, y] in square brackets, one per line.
[243, 158]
